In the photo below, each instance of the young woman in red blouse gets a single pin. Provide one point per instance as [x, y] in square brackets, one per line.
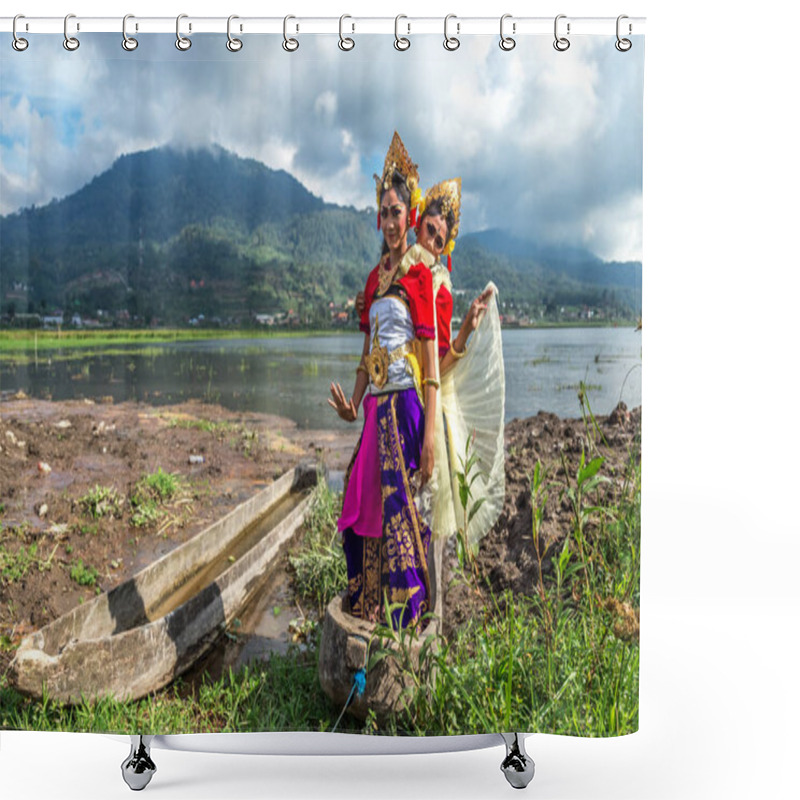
[385, 538]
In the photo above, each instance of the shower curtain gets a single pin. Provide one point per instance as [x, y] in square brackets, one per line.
[191, 247]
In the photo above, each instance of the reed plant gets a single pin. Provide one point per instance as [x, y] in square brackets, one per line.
[564, 656]
[470, 505]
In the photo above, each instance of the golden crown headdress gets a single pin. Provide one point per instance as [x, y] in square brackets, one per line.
[398, 160]
[448, 193]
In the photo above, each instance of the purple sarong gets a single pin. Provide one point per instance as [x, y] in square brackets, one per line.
[396, 564]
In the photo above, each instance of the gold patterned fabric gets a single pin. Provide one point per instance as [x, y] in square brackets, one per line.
[394, 566]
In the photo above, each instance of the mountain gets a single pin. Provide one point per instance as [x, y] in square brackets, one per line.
[165, 235]
[575, 262]
[155, 193]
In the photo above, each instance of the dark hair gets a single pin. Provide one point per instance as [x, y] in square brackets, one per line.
[403, 192]
[434, 209]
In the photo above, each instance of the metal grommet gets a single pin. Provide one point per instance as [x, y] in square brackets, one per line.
[18, 43]
[623, 45]
[345, 43]
[181, 42]
[70, 42]
[233, 44]
[561, 43]
[128, 42]
[400, 42]
[289, 45]
[451, 42]
[506, 42]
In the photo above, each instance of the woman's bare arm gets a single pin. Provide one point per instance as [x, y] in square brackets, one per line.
[468, 325]
[429, 393]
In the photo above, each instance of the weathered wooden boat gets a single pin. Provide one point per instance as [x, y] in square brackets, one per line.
[142, 634]
[346, 644]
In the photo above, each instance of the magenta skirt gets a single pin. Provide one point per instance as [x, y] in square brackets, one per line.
[384, 537]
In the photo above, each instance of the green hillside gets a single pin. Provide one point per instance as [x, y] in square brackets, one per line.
[203, 236]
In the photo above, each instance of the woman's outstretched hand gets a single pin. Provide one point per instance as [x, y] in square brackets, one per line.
[473, 316]
[346, 409]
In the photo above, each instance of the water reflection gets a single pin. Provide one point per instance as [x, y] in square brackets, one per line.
[290, 377]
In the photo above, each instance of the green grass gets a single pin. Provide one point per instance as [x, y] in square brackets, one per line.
[145, 512]
[279, 694]
[101, 501]
[243, 435]
[202, 425]
[20, 345]
[320, 570]
[563, 658]
[150, 493]
[164, 485]
[83, 574]
[92, 529]
[14, 566]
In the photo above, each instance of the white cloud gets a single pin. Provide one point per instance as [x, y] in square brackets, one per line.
[546, 143]
[613, 231]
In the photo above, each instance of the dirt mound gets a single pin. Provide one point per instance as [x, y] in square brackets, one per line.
[506, 555]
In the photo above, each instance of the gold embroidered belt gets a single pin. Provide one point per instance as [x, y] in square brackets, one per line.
[378, 360]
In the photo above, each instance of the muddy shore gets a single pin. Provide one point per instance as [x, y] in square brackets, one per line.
[53, 454]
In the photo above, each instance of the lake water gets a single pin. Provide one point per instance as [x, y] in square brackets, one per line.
[291, 376]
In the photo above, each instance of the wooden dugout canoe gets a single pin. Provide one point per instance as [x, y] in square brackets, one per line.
[141, 635]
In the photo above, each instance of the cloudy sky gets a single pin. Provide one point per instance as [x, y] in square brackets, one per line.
[547, 144]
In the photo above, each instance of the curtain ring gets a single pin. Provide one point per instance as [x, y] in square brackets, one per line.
[128, 42]
[561, 43]
[289, 45]
[506, 42]
[181, 42]
[233, 44]
[70, 42]
[345, 43]
[623, 45]
[451, 42]
[18, 43]
[400, 42]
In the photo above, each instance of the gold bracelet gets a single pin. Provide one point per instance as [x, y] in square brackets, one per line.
[362, 368]
[455, 352]
[431, 382]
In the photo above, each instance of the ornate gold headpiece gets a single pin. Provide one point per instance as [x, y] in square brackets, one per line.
[398, 160]
[449, 194]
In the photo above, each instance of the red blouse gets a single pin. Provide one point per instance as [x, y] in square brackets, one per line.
[416, 290]
[444, 318]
